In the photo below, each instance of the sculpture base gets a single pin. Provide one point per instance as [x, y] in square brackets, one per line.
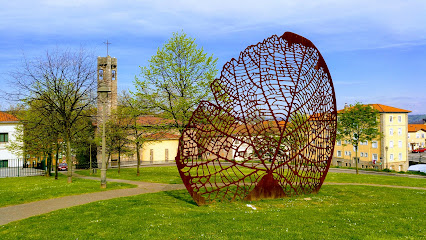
[267, 188]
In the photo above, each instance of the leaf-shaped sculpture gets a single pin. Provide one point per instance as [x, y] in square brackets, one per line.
[271, 129]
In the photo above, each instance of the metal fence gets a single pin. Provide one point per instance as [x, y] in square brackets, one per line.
[20, 168]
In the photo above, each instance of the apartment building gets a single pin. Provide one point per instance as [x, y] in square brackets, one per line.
[416, 136]
[390, 151]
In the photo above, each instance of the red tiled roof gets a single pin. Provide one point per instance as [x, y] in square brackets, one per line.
[7, 117]
[162, 136]
[384, 109]
[152, 120]
[416, 127]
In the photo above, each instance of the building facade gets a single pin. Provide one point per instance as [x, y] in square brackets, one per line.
[390, 151]
[416, 137]
[8, 125]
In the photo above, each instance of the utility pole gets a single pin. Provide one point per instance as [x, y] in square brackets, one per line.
[103, 91]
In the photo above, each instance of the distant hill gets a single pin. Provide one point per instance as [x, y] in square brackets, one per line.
[416, 119]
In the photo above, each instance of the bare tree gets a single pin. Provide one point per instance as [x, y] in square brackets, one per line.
[63, 82]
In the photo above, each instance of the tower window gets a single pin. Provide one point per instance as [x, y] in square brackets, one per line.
[101, 74]
[113, 74]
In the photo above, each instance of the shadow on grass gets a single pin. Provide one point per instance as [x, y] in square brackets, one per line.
[181, 195]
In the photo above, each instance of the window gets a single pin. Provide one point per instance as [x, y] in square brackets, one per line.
[339, 143]
[346, 141]
[362, 154]
[374, 144]
[417, 135]
[354, 149]
[151, 155]
[4, 163]
[101, 74]
[375, 156]
[366, 143]
[408, 135]
[339, 153]
[365, 154]
[399, 118]
[400, 144]
[391, 157]
[391, 131]
[4, 137]
[400, 156]
[390, 118]
[391, 144]
[114, 74]
[399, 131]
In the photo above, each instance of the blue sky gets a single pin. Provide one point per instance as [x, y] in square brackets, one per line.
[375, 50]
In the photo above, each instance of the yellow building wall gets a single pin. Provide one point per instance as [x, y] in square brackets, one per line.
[157, 151]
[417, 138]
[394, 141]
[384, 150]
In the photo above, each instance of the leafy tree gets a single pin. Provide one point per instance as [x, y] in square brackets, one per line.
[117, 134]
[84, 145]
[138, 134]
[177, 79]
[35, 137]
[63, 83]
[358, 123]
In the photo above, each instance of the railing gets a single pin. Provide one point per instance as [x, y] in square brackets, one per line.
[20, 168]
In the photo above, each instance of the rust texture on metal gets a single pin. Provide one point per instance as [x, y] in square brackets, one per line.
[269, 131]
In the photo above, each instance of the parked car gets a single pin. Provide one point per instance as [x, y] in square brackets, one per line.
[62, 167]
[417, 168]
[419, 150]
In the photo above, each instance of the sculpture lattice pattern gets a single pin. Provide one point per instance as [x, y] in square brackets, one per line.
[270, 130]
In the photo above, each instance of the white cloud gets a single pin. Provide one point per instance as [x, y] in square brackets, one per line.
[364, 24]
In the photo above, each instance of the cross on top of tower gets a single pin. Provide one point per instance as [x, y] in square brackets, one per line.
[107, 43]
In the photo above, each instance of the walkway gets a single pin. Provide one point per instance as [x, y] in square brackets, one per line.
[353, 171]
[26, 210]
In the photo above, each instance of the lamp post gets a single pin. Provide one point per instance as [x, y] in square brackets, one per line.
[386, 157]
[103, 91]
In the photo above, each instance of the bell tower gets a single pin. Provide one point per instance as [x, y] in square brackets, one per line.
[106, 102]
[107, 79]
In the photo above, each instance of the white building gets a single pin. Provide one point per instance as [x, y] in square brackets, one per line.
[8, 124]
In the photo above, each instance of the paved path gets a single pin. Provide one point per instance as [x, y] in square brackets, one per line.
[374, 185]
[26, 210]
[353, 171]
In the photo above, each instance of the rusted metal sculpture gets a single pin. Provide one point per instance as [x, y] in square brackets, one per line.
[271, 129]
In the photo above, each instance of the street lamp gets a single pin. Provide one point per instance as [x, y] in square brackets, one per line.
[386, 157]
[103, 91]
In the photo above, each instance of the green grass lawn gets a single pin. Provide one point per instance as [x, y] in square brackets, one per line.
[375, 179]
[336, 212]
[170, 175]
[19, 190]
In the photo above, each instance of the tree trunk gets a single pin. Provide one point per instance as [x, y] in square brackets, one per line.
[139, 159]
[69, 160]
[56, 161]
[119, 163]
[107, 161]
[356, 159]
[90, 159]
[49, 163]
